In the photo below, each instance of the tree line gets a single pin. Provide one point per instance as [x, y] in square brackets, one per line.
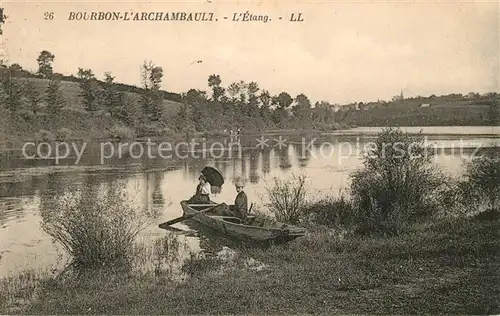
[238, 104]
[242, 104]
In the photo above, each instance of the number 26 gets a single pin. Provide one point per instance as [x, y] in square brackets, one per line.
[48, 15]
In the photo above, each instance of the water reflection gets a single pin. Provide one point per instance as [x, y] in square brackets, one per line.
[11, 209]
[284, 158]
[254, 158]
[303, 155]
[158, 199]
[266, 161]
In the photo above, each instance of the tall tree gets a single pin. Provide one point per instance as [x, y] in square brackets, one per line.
[90, 89]
[233, 89]
[183, 122]
[16, 69]
[253, 99]
[302, 108]
[34, 97]
[45, 60]
[265, 98]
[112, 98]
[214, 82]
[130, 111]
[12, 90]
[152, 97]
[284, 100]
[196, 97]
[54, 98]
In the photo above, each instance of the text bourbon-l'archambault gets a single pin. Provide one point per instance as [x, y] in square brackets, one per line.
[141, 16]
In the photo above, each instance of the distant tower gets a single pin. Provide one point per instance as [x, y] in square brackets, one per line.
[401, 96]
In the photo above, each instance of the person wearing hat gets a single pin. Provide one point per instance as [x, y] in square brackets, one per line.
[240, 207]
[203, 191]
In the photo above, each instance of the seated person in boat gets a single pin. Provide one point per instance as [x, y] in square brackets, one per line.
[203, 191]
[240, 207]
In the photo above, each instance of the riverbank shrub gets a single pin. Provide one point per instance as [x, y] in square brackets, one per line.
[330, 212]
[96, 226]
[287, 199]
[482, 181]
[398, 184]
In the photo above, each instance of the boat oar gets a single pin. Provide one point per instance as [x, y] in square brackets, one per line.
[249, 218]
[183, 218]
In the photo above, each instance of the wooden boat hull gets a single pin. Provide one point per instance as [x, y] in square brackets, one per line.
[232, 226]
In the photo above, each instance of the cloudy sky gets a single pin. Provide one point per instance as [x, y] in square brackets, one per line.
[342, 51]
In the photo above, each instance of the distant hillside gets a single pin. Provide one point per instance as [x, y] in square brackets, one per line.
[437, 115]
[71, 92]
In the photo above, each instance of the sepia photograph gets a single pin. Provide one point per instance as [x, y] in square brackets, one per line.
[249, 157]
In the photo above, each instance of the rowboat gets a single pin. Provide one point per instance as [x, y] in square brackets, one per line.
[235, 227]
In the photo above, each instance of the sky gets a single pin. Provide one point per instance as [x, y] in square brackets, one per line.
[342, 51]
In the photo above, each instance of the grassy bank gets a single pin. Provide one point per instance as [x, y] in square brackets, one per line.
[447, 267]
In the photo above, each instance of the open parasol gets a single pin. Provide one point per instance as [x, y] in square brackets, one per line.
[214, 177]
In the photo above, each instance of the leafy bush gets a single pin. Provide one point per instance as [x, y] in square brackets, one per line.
[483, 181]
[97, 229]
[44, 136]
[397, 184]
[331, 212]
[287, 199]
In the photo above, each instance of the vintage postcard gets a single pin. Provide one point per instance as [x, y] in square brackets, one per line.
[249, 157]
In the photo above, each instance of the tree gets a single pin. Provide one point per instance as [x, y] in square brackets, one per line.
[90, 89]
[233, 89]
[214, 82]
[284, 100]
[483, 179]
[238, 89]
[323, 112]
[12, 91]
[253, 99]
[196, 97]
[182, 120]
[54, 97]
[302, 108]
[112, 99]
[265, 98]
[45, 60]
[152, 97]
[34, 97]
[16, 69]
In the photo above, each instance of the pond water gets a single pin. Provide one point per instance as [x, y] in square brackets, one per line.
[161, 183]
